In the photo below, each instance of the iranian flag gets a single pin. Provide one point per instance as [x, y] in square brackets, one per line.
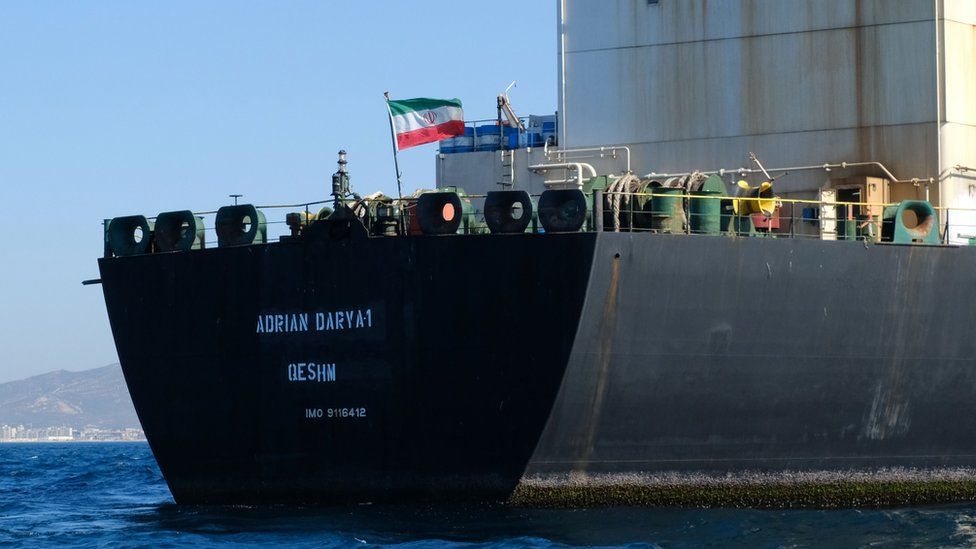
[423, 120]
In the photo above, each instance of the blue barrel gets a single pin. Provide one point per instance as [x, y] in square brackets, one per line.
[487, 138]
[465, 143]
[511, 137]
[447, 146]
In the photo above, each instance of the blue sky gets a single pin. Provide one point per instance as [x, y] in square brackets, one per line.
[117, 108]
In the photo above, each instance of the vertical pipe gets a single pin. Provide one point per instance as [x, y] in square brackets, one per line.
[501, 129]
[630, 208]
[561, 119]
[598, 210]
[792, 219]
[939, 91]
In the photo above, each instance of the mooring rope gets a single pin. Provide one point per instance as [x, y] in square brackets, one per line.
[620, 195]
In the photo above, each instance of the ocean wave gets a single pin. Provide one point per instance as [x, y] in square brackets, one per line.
[97, 495]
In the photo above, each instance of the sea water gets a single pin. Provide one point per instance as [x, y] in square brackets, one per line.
[111, 495]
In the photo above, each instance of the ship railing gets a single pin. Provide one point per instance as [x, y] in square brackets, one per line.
[490, 128]
[634, 212]
[276, 226]
[741, 215]
[785, 217]
[756, 217]
[777, 217]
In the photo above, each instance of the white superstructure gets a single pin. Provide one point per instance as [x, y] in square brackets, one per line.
[698, 84]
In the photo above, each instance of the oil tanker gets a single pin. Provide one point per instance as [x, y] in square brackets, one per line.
[570, 332]
[345, 363]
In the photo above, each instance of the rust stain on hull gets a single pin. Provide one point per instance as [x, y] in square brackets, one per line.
[608, 324]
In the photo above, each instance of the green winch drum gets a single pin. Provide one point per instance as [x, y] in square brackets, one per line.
[563, 210]
[641, 205]
[667, 213]
[240, 225]
[910, 222]
[129, 235]
[178, 231]
[632, 207]
[705, 210]
[508, 212]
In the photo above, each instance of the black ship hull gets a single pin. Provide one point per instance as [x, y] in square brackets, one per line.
[371, 369]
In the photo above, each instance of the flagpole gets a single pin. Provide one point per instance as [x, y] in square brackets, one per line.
[396, 149]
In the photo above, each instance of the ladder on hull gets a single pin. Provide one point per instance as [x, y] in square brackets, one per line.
[507, 181]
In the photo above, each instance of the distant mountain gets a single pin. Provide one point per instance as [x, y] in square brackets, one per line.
[95, 397]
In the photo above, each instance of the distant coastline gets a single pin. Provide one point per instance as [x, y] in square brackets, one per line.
[72, 441]
[64, 406]
[20, 434]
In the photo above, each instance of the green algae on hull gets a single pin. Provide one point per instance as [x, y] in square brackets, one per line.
[769, 496]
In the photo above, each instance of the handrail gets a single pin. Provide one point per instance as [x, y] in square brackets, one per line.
[489, 121]
[784, 200]
[651, 194]
[303, 204]
[756, 199]
[578, 166]
[789, 214]
[562, 155]
[825, 167]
